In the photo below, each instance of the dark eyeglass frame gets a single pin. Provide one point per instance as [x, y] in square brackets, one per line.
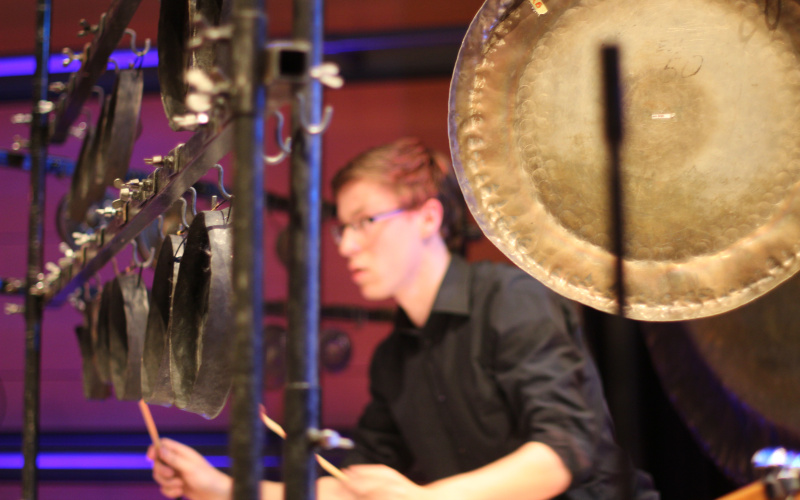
[361, 224]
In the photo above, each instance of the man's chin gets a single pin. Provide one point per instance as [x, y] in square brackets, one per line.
[370, 293]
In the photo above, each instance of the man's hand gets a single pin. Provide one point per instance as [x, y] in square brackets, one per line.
[378, 482]
[182, 471]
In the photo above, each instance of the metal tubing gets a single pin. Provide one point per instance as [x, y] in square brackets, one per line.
[302, 390]
[33, 296]
[111, 30]
[249, 97]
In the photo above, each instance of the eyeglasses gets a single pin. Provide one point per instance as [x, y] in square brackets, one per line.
[362, 224]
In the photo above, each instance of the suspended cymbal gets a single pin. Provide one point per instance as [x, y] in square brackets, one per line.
[710, 160]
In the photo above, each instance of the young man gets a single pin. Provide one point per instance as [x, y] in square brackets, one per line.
[484, 389]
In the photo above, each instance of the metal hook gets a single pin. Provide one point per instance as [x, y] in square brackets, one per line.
[284, 145]
[194, 201]
[221, 188]
[139, 53]
[183, 213]
[160, 226]
[274, 160]
[314, 129]
[138, 263]
[184, 204]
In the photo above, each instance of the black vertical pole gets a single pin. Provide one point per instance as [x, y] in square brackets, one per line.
[613, 129]
[33, 294]
[623, 374]
[302, 390]
[249, 97]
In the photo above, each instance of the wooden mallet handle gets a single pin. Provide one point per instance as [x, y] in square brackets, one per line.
[277, 429]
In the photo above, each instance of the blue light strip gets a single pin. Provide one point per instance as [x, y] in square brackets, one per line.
[104, 461]
[25, 65]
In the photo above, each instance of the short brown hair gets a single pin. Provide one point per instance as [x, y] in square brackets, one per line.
[415, 173]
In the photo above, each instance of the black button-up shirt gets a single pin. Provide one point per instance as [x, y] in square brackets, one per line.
[500, 362]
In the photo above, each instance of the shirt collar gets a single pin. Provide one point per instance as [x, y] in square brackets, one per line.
[452, 297]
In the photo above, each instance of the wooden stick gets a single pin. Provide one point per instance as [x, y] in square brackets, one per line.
[326, 465]
[753, 491]
[148, 421]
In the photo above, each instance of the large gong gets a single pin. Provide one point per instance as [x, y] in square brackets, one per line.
[710, 160]
[734, 377]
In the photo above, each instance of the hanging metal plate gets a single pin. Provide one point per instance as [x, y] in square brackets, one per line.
[710, 161]
[156, 381]
[127, 315]
[201, 330]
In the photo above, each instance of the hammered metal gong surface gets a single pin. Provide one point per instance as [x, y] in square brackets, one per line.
[710, 159]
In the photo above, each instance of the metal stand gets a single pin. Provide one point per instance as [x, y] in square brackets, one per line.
[246, 431]
[621, 330]
[34, 295]
[302, 389]
[181, 168]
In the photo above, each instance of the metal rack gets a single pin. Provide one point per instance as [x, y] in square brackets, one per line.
[241, 130]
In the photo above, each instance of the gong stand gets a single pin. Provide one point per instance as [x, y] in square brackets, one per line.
[236, 121]
[302, 384]
[246, 432]
[33, 295]
[621, 328]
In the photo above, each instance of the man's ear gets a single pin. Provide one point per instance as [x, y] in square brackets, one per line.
[432, 213]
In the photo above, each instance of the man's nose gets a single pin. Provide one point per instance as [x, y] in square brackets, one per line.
[348, 242]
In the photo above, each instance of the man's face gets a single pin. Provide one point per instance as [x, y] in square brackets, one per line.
[382, 244]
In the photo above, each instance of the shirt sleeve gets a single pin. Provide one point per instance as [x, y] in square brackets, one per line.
[377, 438]
[544, 376]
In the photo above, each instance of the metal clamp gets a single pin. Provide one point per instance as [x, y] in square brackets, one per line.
[207, 94]
[328, 74]
[208, 33]
[20, 143]
[10, 309]
[327, 439]
[287, 60]
[93, 29]
[21, 118]
[72, 56]
[135, 189]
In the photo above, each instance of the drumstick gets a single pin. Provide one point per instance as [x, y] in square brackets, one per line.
[148, 421]
[277, 429]
[753, 491]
